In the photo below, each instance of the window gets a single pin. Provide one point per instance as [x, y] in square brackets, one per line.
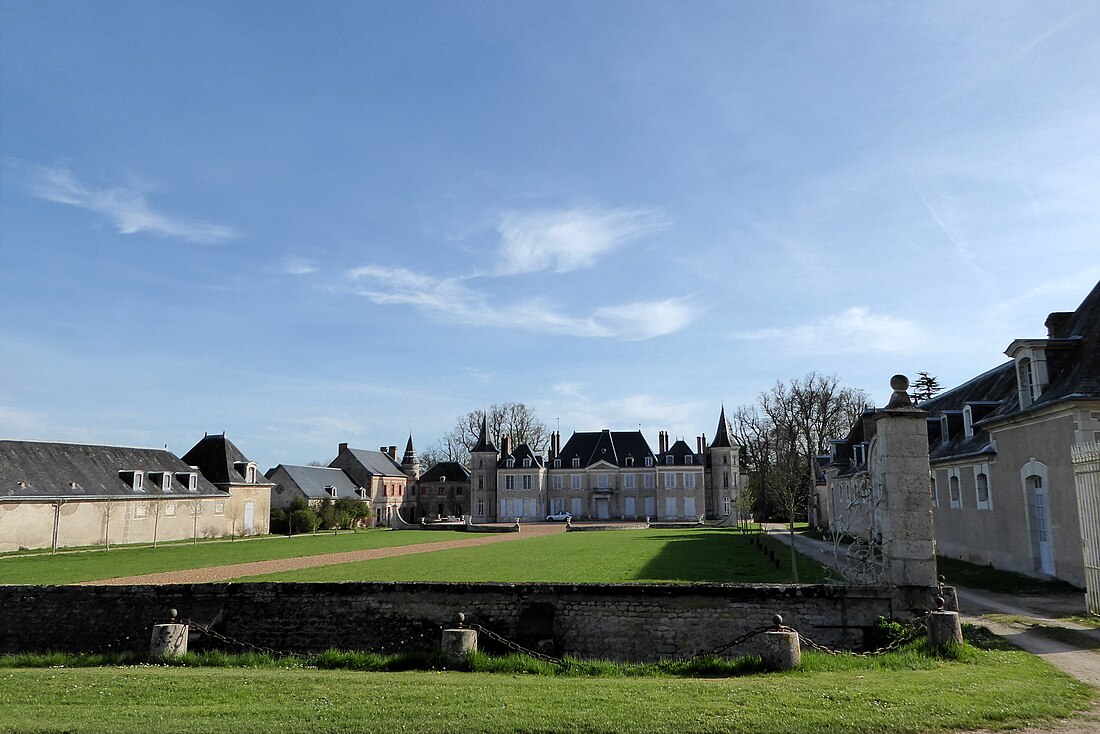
[557, 463]
[670, 480]
[332, 491]
[575, 481]
[219, 507]
[557, 481]
[628, 481]
[981, 491]
[250, 474]
[510, 481]
[689, 480]
[165, 481]
[649, 461]
[528, 481]
[601, 481]
[576, 462]
[935, 494]
[668, 459]
[726, 481]
[527, 463]
[423, 491]
[458, 491]
[649, 481]
[510, 463]
[441, 492]
[968, 422]
[955, 492]
[1025, 380]
[169, 509]
[193, 482]
[727, 506]
[688, 458]
[630, 461]
[481, 506]
[141, 510]
[481, 481]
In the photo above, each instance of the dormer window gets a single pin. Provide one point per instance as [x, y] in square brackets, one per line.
[649, 461]
[630, 461]
[332, 491]
[527, 463]
[250, 474]
[1025, 380]
[945, 430]
[687, 459]
[136, 479]
[668, 459]
[511, 463]
[576, 462]
[968, 422]
[165, 481]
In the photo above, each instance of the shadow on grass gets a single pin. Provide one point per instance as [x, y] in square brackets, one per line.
[724, 557]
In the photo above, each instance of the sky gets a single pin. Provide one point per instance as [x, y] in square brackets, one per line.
[311, 223]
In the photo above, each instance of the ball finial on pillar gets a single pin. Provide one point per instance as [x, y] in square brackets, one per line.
[900, 397]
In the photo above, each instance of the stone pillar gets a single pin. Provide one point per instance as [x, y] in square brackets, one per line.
[457, 642]
[943, 627]
[781, 650]
[899, 471]
[168, 640]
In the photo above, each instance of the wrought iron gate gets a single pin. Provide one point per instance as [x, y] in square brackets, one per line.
[1086, 471]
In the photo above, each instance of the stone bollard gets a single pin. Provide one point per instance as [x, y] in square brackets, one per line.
[950, 596]
[168, 640]
[781, 648]
[457, 642]
[943, 627]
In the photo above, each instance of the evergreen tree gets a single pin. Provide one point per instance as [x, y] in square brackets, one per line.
[924, 387]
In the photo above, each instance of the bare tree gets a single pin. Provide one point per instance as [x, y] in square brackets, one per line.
[233, 511]
[509, 419]
[195, 509]
[107, 509]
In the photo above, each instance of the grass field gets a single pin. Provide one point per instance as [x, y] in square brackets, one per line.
[586, 557]
[902, 693]
[67, 568]
[1003, 582]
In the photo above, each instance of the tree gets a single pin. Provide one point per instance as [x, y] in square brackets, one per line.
[925, 387]
[195, 509]
[107, 508]
[351, 511]
[233, 511]
[783, 433]
[509, 419]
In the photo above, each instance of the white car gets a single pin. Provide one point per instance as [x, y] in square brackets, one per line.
[558, 517]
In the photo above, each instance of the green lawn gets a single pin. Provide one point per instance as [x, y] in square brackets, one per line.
[67, 568]
[581, 557]
[962, 573]
[828, 695]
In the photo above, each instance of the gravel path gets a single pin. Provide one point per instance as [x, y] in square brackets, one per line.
[215, 574]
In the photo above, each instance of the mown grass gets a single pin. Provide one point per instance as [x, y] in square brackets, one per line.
[1075, 638]
[93, 565]
[689, 555]
[906, 692]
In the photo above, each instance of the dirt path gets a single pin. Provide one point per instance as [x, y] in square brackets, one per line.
[215, 574]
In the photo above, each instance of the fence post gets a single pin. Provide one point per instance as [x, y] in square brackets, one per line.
[458, 641]
[168, 640]
[781, 648]
[943, 627]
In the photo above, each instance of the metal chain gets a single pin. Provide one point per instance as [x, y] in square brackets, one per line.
[739, 640]
[118, 644]
[515, 646]
[231, 641]
[914, 632]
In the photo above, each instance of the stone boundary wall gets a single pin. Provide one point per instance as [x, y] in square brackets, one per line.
[626, 622]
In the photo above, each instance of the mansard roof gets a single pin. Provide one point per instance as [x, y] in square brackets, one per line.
[218, 459]
[452, 470]
[679, 452]
[611, 446]
[374, 463]
[30, 469]
[313, 481]
[521, 452]
[723, 436]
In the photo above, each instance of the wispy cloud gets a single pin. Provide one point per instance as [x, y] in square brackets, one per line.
[853, 331]
[452, 301]
[298, 266]
[570, 239]
[125, 207]
[641, 410]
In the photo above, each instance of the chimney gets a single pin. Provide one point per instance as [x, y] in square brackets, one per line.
[698, 444]
[342, 448]
[506, 446]
[662, 442]
[392, 451]
[1056, 323]
[553, 449]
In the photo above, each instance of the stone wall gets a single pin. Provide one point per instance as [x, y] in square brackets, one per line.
[617, 621]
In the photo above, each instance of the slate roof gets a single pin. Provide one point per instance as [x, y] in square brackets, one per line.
[521, 452]
[483, 443]
[452, 470]
[216, 457]
[313, 480]
[611, 446]
[48, 469]
[988, 394]
[679, 452]
[724, 437]
[377, 464]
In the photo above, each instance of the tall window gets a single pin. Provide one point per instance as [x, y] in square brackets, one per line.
[557, 481]
[981, 490]
[628, 481]
[528, 481]
[576, 462]
[649, 461]
[601, 481]
[670, 480]
[575, 481]
[955, 492]
[935, 493]
[689, 480]
[726, 481]
[510, 481]
[649, 481]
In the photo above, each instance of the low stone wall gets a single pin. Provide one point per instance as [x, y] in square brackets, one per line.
[593, 621]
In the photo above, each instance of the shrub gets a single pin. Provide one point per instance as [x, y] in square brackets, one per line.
[304, 521]
[279, 524]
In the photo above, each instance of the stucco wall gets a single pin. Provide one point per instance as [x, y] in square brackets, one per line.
[619, 621]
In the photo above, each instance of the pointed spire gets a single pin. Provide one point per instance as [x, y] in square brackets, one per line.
[483, 443]
[723, 437]
[410, 452]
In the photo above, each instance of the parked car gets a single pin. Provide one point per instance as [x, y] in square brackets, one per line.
[558, 517]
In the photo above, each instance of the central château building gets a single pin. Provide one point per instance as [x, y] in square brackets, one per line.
[607, 475]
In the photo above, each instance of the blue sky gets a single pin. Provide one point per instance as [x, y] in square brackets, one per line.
[308, 223]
